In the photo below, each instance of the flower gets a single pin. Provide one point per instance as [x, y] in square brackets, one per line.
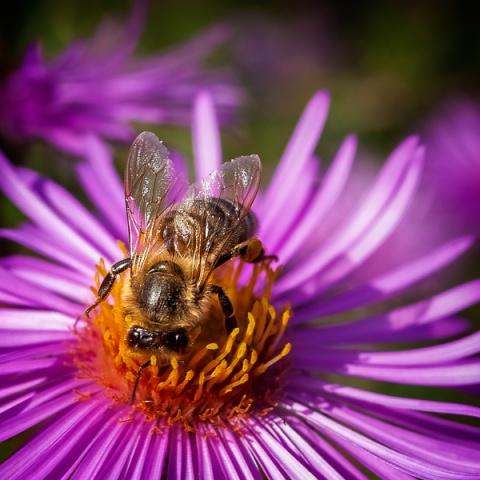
[98, 85]
[453, 163]
[278, 397]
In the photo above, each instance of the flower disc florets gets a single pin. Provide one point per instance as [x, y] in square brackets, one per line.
[220, 378]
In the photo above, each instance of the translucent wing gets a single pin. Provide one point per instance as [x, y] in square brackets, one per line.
[151, 187]
[237, 181]
[236, 184]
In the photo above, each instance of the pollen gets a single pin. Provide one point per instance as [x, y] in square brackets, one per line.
[221, 379]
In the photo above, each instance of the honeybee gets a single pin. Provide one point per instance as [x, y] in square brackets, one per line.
[179, 234]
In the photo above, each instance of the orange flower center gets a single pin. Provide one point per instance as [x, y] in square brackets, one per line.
[221, 378]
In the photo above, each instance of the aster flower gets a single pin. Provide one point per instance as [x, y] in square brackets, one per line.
[99, 85]
[276, 397]
[453, 162]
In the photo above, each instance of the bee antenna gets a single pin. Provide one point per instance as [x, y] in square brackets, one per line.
[137, 379]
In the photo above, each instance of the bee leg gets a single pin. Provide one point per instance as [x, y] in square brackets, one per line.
[227, 308]
[137, 379]
[250, 251]
[108, 282]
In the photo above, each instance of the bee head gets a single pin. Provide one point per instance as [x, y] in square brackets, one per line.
[143, 339]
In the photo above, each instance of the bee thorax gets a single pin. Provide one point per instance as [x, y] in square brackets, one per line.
[162, 291]
[162, 294]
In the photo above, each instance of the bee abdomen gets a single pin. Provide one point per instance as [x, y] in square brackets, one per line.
[230, 213]
[213, 219]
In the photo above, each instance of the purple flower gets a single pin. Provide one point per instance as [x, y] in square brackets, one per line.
[98, 85]
[278, 398]
[453, 163]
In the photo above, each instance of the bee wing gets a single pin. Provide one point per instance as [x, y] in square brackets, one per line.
[237, 182]
[151, 187]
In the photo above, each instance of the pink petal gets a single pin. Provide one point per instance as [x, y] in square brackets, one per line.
[207, 147]
[323, 200]
[298, 152]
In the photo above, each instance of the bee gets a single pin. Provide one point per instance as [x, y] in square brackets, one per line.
[179, 234]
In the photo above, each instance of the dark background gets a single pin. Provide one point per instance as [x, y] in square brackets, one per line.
[388, 65]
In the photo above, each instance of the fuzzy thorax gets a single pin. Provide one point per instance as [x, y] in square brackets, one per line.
[219, 379]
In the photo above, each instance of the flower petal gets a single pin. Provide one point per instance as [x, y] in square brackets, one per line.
[46, 403]
[323, 200]
[38, 241]
[156, 454]
[297, 154]
[35, 295]
[207, 147]
[53, 443]
[384, 286]
[181, 461]
[420, 313]
[35, 320]
[42, 214]
[397, 180]
[285, 464]
[407, 464]
[387, 401]
[102, 183]
[300, 448]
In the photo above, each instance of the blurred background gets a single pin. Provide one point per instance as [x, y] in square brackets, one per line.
[388, 65]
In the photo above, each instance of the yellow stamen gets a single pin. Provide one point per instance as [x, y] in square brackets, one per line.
[263, 367]
[220, 379]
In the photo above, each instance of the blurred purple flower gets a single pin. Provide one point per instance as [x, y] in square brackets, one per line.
[453, 163]
[318, 425]
[98, 85]
[281, 51]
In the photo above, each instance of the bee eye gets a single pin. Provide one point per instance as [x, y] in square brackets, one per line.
[176, 340]
[139, 337]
